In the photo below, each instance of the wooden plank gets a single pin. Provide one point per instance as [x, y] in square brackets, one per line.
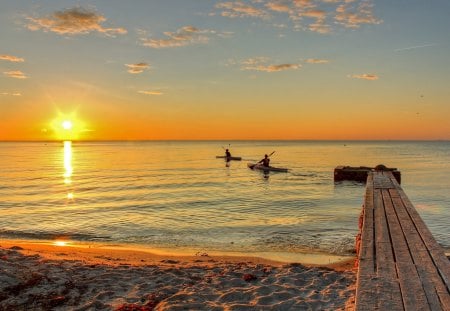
[388, 296]
[410, 285]
[435, 249]
[366, 279]
[385, 263]
[423, 263]
[436, 257]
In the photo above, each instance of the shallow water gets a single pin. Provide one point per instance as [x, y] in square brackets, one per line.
[177, 195]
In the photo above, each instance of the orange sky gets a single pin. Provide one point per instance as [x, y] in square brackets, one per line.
[229, 70]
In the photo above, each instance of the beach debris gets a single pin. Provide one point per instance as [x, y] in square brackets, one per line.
[204, 254]
[132, 307]
[170, 261]
[151, 302]
[16, 248]
[247, 277]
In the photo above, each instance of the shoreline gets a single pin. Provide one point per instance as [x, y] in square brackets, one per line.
[306, 258]
[80, 277]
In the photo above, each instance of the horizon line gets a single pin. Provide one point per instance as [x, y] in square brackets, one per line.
[217, 140]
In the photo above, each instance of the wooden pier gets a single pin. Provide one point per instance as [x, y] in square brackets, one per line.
[400, 264]
[360, 173]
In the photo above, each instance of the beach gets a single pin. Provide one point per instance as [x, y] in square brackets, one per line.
[57, 276]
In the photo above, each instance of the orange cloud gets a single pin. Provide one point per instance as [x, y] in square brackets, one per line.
[327, 13]
[75, 21]
[182, 37]
[239, 9]
[317, 61]
[315, 13]
[260, 64]
[137, 68]
[11, 58]
[352, 17]
[151, 92]
[365, 76]
[10, 94]
[278, 7]
[15, 74]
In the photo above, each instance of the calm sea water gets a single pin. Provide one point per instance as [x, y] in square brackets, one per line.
[177, 195]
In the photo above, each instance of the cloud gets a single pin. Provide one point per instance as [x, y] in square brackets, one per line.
[278, 6]
[11, 58]
[319, 16]
[319, 27]
[15, 74]
[11, 94]
[365, 76]
[137, 68]
[234, 9]
[74, 21]
[415, 47]
[182, 37]
[261, 64]
[151, 92]
[317, 61]
[354, 16]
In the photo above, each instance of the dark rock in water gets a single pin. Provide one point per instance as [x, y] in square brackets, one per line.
[359, 173]
[381, 167]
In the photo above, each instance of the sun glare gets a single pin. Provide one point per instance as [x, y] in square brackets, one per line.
[67, 125]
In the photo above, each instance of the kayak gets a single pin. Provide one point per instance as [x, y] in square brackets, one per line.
[229, 158]
[258, 166]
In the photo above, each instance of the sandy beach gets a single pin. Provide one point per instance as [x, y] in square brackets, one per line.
[46, 276]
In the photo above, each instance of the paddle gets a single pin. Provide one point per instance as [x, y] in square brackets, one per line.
[229, 145]
[253, 165]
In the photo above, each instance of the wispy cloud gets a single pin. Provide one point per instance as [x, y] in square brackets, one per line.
[12, 58]
[365, 76]
[151, 92]
[319, 16]
[182, 37]
[74, 21]
[137, 68]
[317, 61]
[263, 64]
[353, 15]
[11, 94]
[278, 6]
[17, 74]
[415, 47]
[234, 9]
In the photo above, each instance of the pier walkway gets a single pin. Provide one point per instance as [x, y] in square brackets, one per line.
[400, 266]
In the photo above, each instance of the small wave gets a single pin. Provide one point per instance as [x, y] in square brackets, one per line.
[13, 234]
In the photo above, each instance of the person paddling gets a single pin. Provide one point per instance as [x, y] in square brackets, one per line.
[266, 161]
[227, 155]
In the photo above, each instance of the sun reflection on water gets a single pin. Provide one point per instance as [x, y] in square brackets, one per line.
[68, 169]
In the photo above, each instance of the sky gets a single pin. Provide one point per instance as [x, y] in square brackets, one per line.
[225, 70]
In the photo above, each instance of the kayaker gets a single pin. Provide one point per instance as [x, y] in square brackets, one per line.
[266, 161]
[227, 153]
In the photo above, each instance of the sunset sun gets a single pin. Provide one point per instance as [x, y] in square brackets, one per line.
[67, 125]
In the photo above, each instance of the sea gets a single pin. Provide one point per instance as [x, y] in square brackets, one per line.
[177, 197]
